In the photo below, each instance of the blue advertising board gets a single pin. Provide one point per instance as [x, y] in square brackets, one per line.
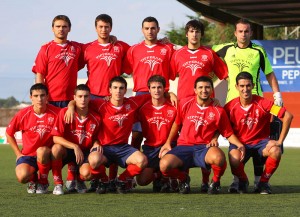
[284, 56]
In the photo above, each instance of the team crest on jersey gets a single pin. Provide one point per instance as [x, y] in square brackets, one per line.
[163, 51]
[50, 120]
[158, 123]
[170, 113]
[127, 107]
[250, 56]
[116, 49]
[119, 119]
[211, 116]
[73, 49]
[249, 121]
[92, 127]
[204, 58]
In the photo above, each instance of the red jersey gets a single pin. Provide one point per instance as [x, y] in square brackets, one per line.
[199, 124]
[59, 64]
[146, 61]
[36, 129]
[103, 63]
[252, 124]
[156, 122]
[190, 64]
[81, 132]
[117, 122]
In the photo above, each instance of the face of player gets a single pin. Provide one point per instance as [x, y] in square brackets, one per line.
[39, 99]
[117, 91]
[82, 98]
[61, 30]
[150, 31]
[156, 90]
[193, 36]
[103, 30]
[203, 90]
[245, 87]
[243, 34]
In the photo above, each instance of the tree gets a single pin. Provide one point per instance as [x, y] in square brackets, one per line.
[9, 102]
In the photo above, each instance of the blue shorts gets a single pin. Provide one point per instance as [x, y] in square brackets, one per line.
[118, 154]
[191, 156]
[30, 160]
[137, 125]
[72, 158]
[253, 150]
[152, 156]
[60, 104]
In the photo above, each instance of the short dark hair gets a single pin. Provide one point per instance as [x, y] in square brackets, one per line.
[61, 17]
[156, 78]
[195, 24]
[82, 87]
[119, 79]
[105, 18]
[204, 79]
[243, 21]
[150, 19]
[38, 86]
[244, 75]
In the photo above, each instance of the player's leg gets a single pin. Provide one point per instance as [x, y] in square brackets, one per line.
[136, 139]
[58, 152]
[273, 157]
[258, 166]
[26, 168]
[237, 169]
[215, 157]
[44, 165]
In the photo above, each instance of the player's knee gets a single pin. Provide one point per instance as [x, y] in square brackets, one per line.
[216, 156]
[57, 150]
[43, 154]
[85, 174]
[164, 165]
[22, 176]
[275, 151]
[234, 158]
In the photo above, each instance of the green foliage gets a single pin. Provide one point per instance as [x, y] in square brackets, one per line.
[9, 102]
[141, 202]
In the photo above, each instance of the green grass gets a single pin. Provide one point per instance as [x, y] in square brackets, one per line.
[285, 200]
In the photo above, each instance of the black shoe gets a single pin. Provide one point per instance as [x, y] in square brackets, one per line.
[264, 188]
[204, 187]
[93, 185]
[102, 187]
[157, 184]
[233, 188]
[121, 187]
[184, 186]
[243, 187]
[174, 185]
[112, 185]
[214, 188]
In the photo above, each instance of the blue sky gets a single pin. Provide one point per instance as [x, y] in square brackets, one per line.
[26, 25]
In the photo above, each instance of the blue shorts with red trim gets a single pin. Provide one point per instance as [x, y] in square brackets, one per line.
[191, 156]
[118, 154]
[30, 160]
[152, 156]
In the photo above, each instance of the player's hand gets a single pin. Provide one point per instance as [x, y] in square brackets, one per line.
[18, 156]
[107, 98]
[270, 145]
[164, 149]
[79, 155]
[69, 115]
[278, 99]
[216, 102]
[243, 152]
[97, 147]
[164, 40]
[213, 143]
[173, 99]
[112, 39]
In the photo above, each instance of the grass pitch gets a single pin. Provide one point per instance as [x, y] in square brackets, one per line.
[285, 200]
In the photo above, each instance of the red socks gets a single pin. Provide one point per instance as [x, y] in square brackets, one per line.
[56, 171]
[218, 171]
[270, 167]
[43, 172]
[72, 170]
[175, 174]
[99, 173]
[240, 172]
[113, 171]
[131, 171]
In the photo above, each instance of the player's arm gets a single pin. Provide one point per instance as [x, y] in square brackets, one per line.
[77, 150]
[167, 146]
[173, 98]
[214, 140]
[97, 146]
[69, 115]
[235, 141]
[272, 80]
[13, 144]
[39, 78]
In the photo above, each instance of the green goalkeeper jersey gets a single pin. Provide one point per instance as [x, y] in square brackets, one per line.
[250, 59]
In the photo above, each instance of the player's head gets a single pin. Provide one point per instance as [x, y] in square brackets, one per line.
[156, 85]
[244, 85]
[82, 96]
[39, 95]
[103, 25]
[150, 29]
[117, 88]
[104, 18]
[203, 87]
[118, 79]
[61, 26]
[196, 25]
[157, 78]
[62, 17]
[243, 32]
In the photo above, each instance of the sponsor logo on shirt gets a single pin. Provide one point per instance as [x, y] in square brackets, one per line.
[158, 121]
[108, 57]
[198, 121]
[119, 119]
[151, 61]
[65, 55]
[193, 65]
[81, 134]
[250, 121]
